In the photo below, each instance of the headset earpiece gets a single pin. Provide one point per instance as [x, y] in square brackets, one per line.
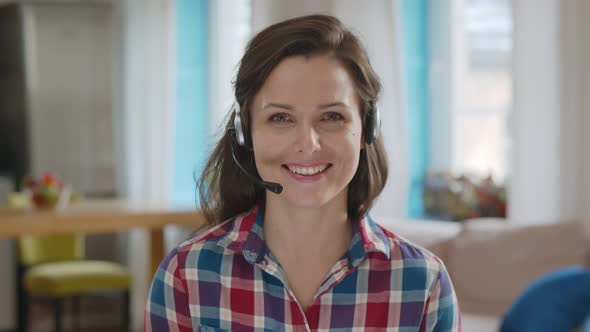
[241, 136]
[237, 135]
[372, 125]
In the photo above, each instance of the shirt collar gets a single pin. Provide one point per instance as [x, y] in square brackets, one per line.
[247, 236]
[368, 238]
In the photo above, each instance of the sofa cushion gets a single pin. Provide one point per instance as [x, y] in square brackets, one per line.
[493, 261]
[479, 323]
[436, 236]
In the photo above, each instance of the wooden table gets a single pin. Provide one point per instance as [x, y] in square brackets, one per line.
[101, 216]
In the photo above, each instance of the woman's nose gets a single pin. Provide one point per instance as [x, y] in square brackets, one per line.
[308, 139]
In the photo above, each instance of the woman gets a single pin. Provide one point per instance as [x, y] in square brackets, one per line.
[298, 251]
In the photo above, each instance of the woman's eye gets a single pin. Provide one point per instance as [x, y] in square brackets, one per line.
[281, 117]
[334, 117]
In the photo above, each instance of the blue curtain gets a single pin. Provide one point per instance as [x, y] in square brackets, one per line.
[191, 135]
[414, 16]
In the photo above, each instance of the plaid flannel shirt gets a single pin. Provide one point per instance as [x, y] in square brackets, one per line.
[225, 279]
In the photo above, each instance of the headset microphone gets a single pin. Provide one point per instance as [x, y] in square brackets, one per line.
[272, 186]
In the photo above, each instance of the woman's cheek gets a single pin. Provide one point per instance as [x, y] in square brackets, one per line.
[267, 151]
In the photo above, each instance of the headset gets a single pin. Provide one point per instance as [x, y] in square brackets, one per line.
[371, 131]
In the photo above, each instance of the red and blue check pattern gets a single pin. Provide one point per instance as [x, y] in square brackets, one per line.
[226, 280]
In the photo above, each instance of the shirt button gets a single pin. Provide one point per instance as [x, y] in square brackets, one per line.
[250, 255]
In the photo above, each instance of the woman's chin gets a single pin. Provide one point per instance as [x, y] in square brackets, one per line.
[308, 199]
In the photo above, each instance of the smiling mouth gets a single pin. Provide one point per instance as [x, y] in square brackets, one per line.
[308, 171]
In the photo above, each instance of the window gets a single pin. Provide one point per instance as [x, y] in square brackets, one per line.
[485, 96]
[458, 110]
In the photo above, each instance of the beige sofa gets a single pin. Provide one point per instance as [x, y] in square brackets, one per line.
[491, 261]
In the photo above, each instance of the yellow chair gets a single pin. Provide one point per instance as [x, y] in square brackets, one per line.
[53, 267]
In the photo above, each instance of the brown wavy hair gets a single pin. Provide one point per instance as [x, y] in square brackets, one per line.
[224, 190]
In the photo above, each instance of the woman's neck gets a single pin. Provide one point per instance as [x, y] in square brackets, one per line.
[307, 232]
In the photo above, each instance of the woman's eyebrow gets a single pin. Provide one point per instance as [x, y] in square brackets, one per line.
[291, 108]
[276, 105]
[333, 104]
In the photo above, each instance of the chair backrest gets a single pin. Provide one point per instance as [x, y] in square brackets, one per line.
[35, 249]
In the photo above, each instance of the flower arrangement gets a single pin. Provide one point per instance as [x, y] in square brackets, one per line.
[462, 197]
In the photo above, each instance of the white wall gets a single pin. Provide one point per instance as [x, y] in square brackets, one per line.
[582, 9]
[535, 194]
[572, 140]
[550, 122]
[583, 13]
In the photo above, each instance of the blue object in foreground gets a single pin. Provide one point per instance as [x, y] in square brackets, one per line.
[557, 302]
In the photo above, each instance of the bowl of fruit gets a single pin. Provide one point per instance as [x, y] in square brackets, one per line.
[47, 192]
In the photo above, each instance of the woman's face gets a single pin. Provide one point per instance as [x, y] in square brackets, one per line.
[306, 130]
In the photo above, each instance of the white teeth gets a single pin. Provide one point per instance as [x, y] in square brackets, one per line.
[307, 170]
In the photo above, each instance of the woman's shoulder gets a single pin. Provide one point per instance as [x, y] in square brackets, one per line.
[403, 249]
[205, 244]
[207, 235]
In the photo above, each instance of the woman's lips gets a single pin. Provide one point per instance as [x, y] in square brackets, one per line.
[307, 178]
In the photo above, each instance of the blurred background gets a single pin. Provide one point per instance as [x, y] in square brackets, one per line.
[485, 108]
